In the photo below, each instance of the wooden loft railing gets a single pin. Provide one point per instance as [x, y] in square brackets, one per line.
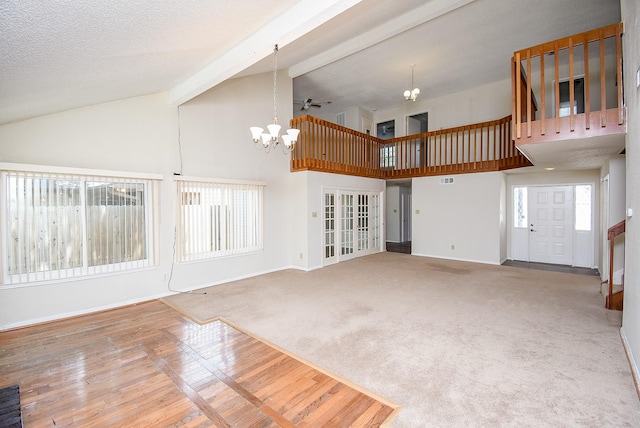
[327, 147]
[591, 65]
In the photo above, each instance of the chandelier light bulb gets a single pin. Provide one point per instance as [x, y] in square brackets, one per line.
[271, 138]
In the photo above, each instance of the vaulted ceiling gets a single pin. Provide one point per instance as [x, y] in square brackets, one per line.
[62, 55]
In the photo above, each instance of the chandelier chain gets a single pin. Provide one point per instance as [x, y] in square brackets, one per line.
[275, 81]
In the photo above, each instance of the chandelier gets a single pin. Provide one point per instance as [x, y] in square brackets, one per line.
[413, 93]
[271, 139]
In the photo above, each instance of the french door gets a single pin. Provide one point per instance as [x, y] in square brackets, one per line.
[351, 225]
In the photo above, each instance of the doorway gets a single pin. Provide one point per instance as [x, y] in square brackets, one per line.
[352, 222]
[398, 216]
[553, 224]
[419, 124]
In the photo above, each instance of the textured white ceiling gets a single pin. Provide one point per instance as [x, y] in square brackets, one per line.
[62, 55]
[59, 55]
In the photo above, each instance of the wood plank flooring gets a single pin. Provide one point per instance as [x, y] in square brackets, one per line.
[147, 365]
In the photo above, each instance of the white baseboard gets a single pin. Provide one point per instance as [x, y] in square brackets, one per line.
[235, 278]
[632, 362]
[81, 312]
[484, 262]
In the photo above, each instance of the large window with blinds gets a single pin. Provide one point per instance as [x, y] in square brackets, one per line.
[219, 218]
[61, 225]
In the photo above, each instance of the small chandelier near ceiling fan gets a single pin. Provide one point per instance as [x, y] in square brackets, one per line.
[412, 94]
[272, 138]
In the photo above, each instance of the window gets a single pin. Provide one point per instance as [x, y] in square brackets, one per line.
[520, 207]
[583, 207]
[65, 225]
[219, 218]
[387, 156]
[565, 97]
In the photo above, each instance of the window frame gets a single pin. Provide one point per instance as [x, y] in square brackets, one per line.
[84, 271]
[257, 217]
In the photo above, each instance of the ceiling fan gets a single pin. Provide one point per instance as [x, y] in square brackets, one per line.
[308, 103]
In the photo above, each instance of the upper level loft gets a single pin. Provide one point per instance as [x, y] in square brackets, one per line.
[568, 100]
[567, 111]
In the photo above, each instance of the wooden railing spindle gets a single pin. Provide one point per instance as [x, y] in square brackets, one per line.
[572, 95]
[603, 82]
[587, 84]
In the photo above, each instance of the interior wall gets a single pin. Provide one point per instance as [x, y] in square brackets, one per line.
[549, 178]
[504, 232]
[459, 221]
[617, 210]
[631, 314]
[392, 210]
[216, 143]
[487, 102]
[141, 135]
[130, 135]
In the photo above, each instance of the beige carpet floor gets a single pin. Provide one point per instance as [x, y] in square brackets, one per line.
[453, 343]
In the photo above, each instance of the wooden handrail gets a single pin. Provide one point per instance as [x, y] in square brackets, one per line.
[525, 87]
[327, 147]
[612, 232]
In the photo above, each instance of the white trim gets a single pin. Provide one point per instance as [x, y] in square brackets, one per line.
[218, 180]
[227, 280]
[66, 315]
[79, 277]
[4, 166]
[632, 362]
[456, 259]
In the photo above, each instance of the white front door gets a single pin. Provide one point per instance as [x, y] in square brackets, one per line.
[551, 224]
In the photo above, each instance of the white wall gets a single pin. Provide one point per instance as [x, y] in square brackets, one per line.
[487, 102]
[392, 212]
[548, 178]
[616, 169]
[631, 314]
[465, 214]
[504, 231]
[141, 135]
[129, 135]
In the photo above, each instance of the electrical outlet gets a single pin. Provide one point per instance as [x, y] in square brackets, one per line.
[453, 247]
[301, 255]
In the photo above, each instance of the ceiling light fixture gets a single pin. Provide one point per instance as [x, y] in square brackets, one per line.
[272, 138]
[413, 93]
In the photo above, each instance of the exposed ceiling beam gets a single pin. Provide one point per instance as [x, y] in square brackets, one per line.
[400, 24]
[303, 17]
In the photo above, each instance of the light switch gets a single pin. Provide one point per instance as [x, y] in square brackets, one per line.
[417, 211]
[314, 214]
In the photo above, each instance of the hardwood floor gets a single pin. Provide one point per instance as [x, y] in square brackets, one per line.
[147, 365]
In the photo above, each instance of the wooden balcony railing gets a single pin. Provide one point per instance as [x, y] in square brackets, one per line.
[569, 88]
[327, 147]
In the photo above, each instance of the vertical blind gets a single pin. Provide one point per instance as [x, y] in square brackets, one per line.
[67, 225]
[219, 219]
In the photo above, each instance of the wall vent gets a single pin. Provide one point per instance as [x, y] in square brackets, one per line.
[341, 119]
[446, 180]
